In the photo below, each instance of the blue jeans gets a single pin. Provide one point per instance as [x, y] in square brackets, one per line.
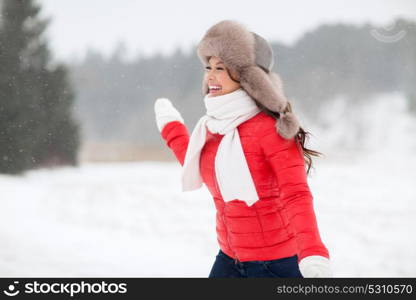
[225, 266]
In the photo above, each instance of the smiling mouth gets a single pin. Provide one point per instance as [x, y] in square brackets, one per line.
[214, 89]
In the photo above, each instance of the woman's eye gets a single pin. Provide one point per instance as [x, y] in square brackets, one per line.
[218, 68]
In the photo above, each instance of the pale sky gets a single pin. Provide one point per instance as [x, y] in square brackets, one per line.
[161, 26]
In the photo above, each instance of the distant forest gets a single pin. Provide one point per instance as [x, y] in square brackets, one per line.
[115, 97]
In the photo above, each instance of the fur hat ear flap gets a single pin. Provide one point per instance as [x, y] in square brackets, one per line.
[267, 89]
[259, 85]
[277, 82]
[287, 125]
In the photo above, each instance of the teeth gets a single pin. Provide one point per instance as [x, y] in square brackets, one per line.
[214, 87]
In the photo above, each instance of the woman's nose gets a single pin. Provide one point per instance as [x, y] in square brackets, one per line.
[210, 75]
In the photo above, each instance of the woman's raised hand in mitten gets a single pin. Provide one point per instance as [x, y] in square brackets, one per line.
[165, 112]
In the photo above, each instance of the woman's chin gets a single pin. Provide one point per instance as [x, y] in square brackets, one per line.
[214, 94]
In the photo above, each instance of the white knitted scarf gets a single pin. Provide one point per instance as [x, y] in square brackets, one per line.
[224, 113]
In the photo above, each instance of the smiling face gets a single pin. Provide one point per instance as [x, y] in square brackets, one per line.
[218, 78]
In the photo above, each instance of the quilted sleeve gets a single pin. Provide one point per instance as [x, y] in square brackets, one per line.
[286, 159]
[176, 136]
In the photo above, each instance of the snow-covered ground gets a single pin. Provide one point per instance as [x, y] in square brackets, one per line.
[131, 219]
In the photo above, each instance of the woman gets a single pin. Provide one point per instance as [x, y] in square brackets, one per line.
[248, 150]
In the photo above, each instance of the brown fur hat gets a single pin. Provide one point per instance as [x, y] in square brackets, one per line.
[251, 57]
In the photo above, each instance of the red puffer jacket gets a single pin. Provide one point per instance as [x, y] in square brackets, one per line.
[282, 222]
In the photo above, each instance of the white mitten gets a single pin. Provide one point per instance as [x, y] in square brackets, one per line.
[315, 266]
[165, 113]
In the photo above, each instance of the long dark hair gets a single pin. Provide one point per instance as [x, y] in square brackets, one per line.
[301, 137]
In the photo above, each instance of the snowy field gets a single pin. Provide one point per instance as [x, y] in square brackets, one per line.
[131, 219]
